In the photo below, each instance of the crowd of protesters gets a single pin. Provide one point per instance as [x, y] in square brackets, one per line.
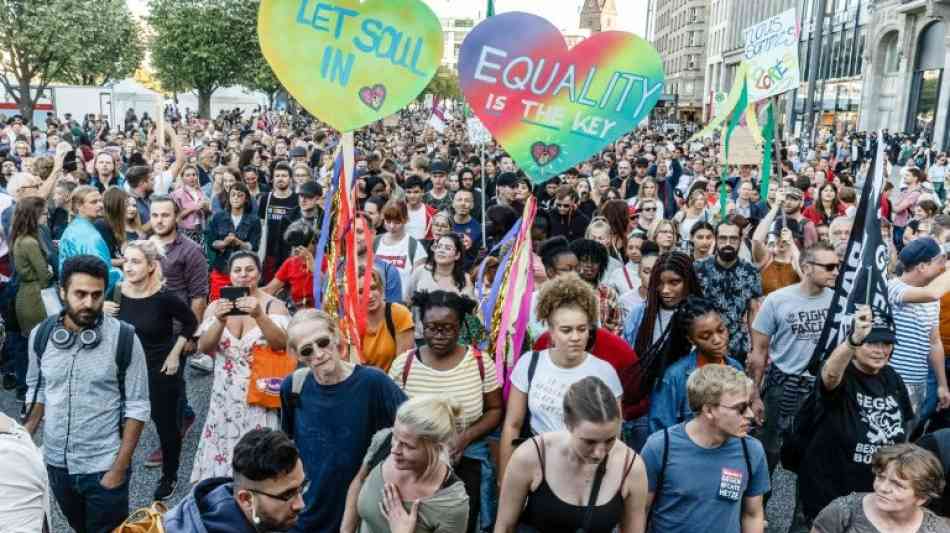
[665, 375]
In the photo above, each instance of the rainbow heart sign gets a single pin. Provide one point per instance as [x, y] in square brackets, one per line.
[351, 62]
[550, 107]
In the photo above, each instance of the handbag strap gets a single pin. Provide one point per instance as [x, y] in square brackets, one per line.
[594, 491]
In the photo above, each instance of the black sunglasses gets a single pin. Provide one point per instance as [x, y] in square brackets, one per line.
[308, 350]
[829, 267]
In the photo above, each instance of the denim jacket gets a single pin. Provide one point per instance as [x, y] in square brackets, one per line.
[668, 403]
[248, 230]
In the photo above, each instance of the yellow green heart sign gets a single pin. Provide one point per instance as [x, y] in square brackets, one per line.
[348, 62]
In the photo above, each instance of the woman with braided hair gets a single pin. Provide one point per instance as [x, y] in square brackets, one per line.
[704, 328]
[656, 337]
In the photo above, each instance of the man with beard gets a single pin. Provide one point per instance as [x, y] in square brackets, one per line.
[566, 220]
[83, 383]
[277, 209]
[266, 493]
[786, 331]
[185, 271]
[141, 185]
[631, 185]
[803, 229]
[733, 285]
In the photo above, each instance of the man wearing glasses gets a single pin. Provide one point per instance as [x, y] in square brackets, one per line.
[266, 493]
[565, 219]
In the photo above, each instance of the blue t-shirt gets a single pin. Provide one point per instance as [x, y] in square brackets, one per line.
[332, 427]
[702, 485]
[472, 228]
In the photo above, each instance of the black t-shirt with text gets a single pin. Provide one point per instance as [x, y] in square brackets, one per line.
[865, 412]
[280, 212]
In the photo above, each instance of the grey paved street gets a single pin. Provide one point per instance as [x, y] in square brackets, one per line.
[144, 480]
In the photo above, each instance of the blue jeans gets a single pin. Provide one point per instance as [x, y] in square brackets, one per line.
[479, 451]
[88, 506]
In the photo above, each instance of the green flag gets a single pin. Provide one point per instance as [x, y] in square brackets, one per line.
[490, 10]
[768, 138]
[733, 123]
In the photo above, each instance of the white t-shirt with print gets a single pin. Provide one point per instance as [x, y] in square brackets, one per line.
[416, 227]
[550, 384]
[398, 256]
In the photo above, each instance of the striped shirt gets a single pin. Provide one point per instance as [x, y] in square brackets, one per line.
[914, 324]
[462, 383]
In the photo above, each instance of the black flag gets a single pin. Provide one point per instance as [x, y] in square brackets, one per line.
[866, 259]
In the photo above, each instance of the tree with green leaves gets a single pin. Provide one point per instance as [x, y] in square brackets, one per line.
[202, 45]
[259, 76]
[49, 40]
[445, 85]
[110, 47]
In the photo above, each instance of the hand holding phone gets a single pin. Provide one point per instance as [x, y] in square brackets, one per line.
[234, 294]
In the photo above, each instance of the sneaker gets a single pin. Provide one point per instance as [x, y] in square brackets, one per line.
[9, 382]
[154, 458]
[202, 362]
[186, 423]
[166, 487]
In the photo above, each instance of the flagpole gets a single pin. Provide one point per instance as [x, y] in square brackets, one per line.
[484, 234]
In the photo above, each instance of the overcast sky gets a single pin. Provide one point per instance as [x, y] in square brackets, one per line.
[563, 13]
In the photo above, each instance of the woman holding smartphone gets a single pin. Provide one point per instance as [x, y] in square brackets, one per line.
[229, 333]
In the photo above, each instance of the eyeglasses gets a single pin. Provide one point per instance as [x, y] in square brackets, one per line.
[444, 247]
[829, 267]
[739, 408]
[309, 350]
[288, 495]
[440, 330]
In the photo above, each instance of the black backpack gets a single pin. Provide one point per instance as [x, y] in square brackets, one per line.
[123, 357]
[798, 435]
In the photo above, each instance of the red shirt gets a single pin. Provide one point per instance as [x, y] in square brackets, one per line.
[618, 353]
[294, 272]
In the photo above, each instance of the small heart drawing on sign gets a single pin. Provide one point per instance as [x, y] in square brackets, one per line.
[544, 153]
[373, 96]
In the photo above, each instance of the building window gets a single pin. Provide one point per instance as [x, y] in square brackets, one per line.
[891, 53]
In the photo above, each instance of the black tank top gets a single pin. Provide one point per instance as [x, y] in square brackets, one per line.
[546, 512]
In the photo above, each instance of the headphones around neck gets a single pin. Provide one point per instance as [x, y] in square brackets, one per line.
[64, 339]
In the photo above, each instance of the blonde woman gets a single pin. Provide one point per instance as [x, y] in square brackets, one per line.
[648, 191]
[665, 234]
[599, 230]
[410, 463]
[142, 301]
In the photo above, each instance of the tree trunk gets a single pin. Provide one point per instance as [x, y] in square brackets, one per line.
[204, 103]
[27, 102]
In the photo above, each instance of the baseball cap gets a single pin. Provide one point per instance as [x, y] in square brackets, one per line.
[506, 179]
[310, 189]
[919, 251]
[882, 329]
[793, 192]
[439, 167]
[298, 151]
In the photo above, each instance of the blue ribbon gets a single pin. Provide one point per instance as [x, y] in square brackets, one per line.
[488, 306]
[320, 252]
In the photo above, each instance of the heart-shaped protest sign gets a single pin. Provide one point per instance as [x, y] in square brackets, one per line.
[351, 62]
[551, 107]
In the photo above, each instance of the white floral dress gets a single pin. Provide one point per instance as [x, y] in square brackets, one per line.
[229, 415]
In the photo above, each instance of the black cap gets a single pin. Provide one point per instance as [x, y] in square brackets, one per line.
[642, 162]
[310, 189]
[882, 329]
[439, 167]
[506, 179]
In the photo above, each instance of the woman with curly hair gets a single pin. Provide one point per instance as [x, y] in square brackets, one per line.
[569, 306]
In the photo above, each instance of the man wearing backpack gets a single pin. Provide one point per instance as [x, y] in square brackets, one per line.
[708, 471]
[87, 377]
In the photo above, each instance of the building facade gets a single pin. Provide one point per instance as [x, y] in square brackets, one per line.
[678, 32]
[903, 88]
[454, 31]
[599, 15]
[720, 13]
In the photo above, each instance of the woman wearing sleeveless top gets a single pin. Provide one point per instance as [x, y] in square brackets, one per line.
[582, 478]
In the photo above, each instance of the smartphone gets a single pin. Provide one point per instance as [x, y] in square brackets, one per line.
[233, 293]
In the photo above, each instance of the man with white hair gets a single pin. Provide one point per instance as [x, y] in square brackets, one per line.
[840, 230]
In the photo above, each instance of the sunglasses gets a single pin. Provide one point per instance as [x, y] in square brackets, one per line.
[648, 209]
[829, 267]
[309, 350]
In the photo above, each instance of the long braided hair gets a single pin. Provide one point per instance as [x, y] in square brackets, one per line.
[673, 344]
